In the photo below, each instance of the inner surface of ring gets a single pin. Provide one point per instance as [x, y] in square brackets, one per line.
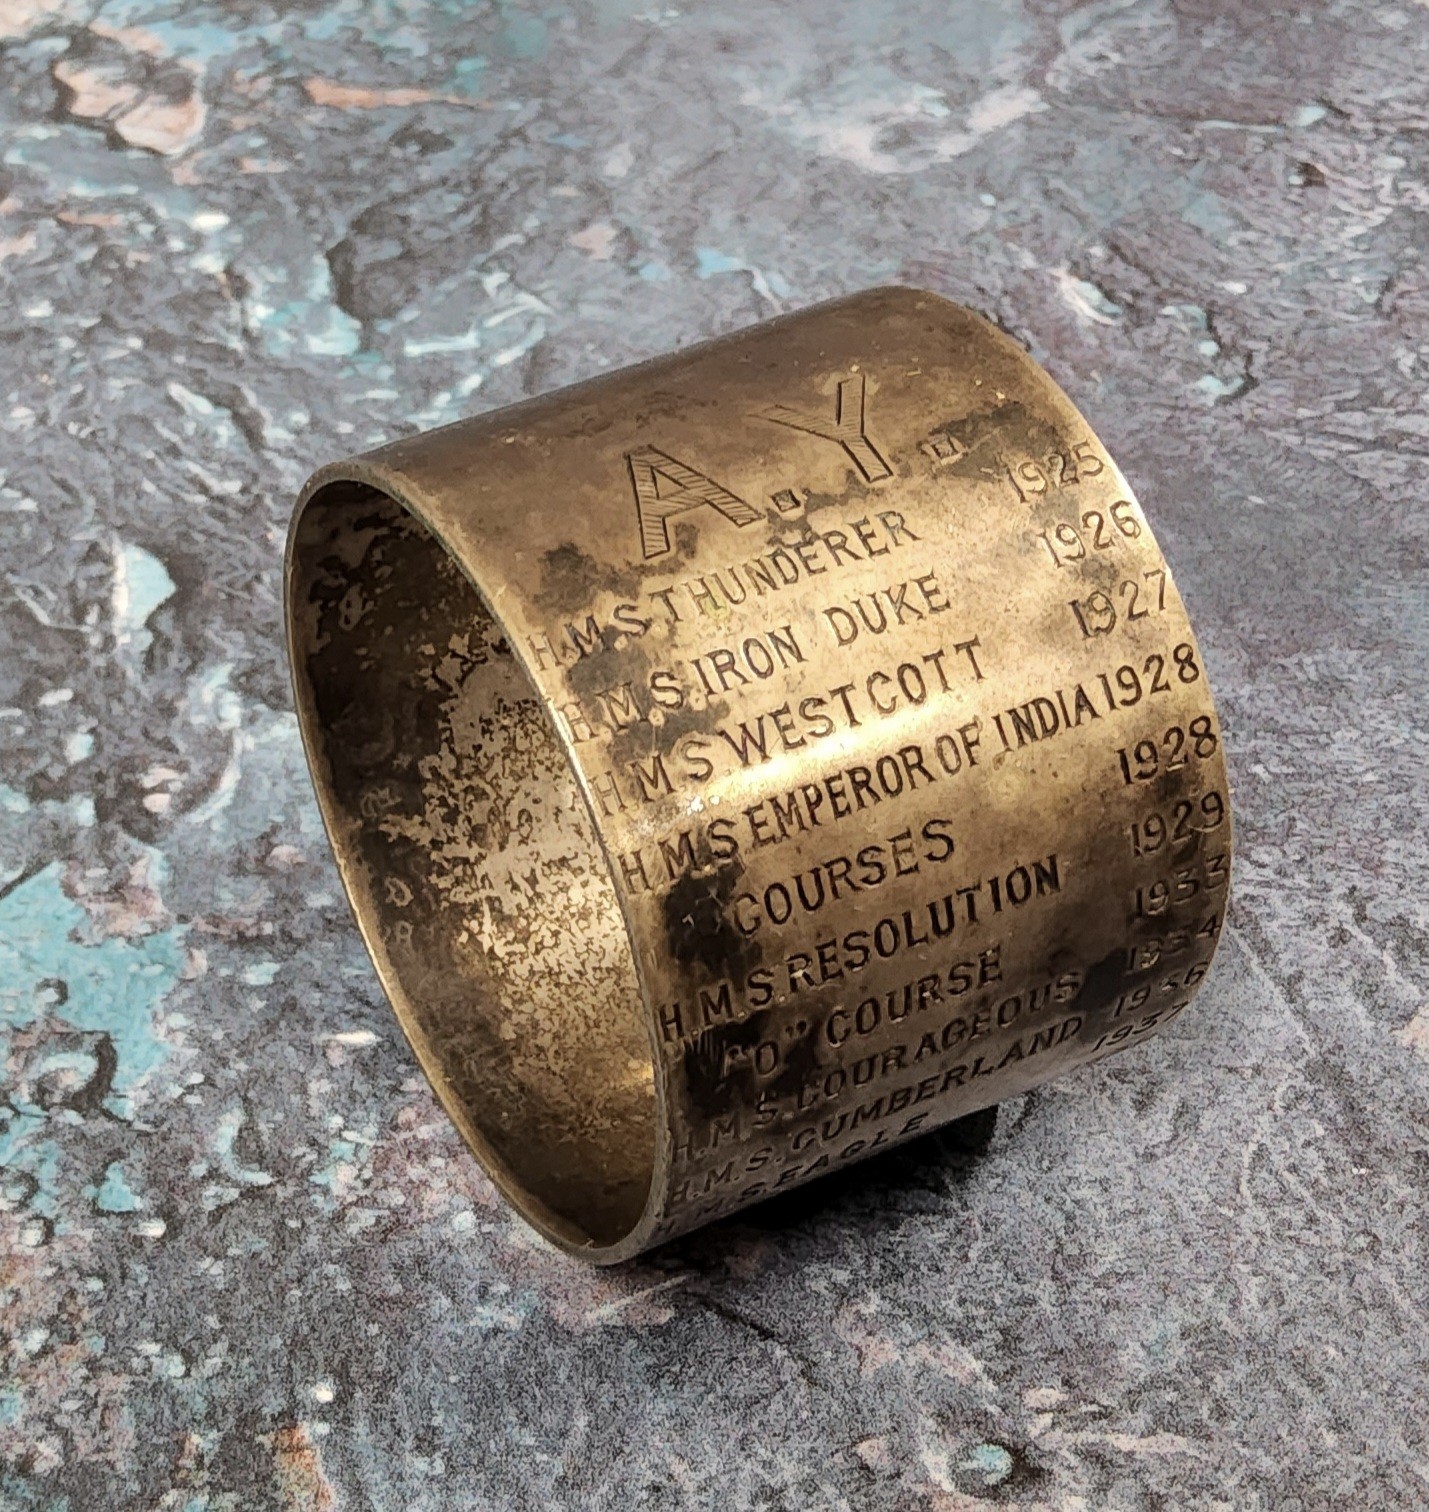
[474, 864]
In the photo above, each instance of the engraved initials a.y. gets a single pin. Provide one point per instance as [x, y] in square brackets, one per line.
[846, 427]
[665, 486]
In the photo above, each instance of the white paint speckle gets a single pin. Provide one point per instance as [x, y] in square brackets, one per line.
[32, 1342]
[1086, 299]
[355, 1039]
[597, 240]
[618, 161]
[1415, 1034]
[858, 133]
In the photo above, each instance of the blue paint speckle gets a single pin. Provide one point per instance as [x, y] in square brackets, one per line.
[524, 36]
[992, 1461]
[1219, 388]
[114, 1194]
[340, 1152]
[305, 317]
[468, 77]
[142, 584]
[112, 986]
[712, 261]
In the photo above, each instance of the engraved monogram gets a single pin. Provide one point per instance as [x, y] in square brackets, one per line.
[846, 428]
[665, 486]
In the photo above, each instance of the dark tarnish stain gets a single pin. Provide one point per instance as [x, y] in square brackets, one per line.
[569, 578]
[721, 1071]
[813, 501]
[571, 581]
[1104, 981]
[685, 541]
[369, 731]
[935, 1162]
[855, 495]
[711, 1078]
[602, 669]
[800, 1060]
[596, 675]
[642, 741]
[698, 931]
[981, 430]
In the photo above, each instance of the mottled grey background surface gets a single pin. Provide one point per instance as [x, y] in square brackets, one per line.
[246, 1263]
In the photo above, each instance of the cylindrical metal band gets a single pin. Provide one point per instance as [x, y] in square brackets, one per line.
[745, 762]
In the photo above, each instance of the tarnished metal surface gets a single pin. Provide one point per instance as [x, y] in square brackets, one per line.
[248, 1263]
[749, 761]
